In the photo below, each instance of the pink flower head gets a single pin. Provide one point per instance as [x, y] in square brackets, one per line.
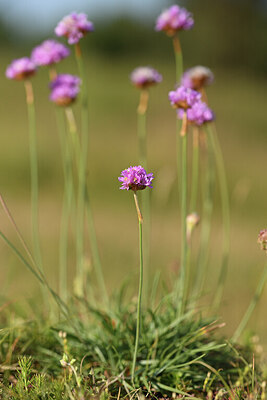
[144, 77]
[183, 97]
[135, 178]
[174, 19]
[64, 89]
[262, 239]
[198, 114]
[74, 27]
[49, 52]
[197, 77]
[21, 68]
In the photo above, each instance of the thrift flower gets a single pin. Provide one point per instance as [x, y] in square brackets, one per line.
[64, 89]
[49, 52]
[21, 68]
[143, 77]
[74, 27]
[198, 114]
[197, 77]
[174, 19]
[262, 239]
[183, 97]
[135, 178]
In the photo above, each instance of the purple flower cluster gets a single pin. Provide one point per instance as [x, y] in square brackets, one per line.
[143, 77]
[64, 89]
[135, 178]
[49, 52]
[262, 239]
[74, 27]
[183, 97]
[21, 68]
[189, 100]
[198, 114]
[174, 19]
[197, 77]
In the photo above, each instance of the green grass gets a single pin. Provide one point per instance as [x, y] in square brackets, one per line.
[91, 354]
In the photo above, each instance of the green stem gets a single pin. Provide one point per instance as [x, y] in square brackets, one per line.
[66, 207]
[207, 209]
[184, 244]
[141, 128]
[76, 145]
[34, 172]
[178, 73]
[145, 195]
[83, 195]
[251, 306]
[95, 251]
[82, 170]
[90, 220]
[138, 318]
[211, 131]
[195, 167]
[178, 58]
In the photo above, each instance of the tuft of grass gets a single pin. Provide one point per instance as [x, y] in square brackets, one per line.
[91, 353]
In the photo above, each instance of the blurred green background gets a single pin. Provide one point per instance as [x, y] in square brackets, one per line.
[230, 37]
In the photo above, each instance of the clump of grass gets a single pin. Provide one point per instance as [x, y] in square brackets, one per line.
[93, 353]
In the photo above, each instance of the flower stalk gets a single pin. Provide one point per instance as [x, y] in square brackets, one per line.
[66, 207]
[213, 138]
[178, 57]
[141, 273]
[184, 243]
[34, 172]
[195, 167]
[251, 306]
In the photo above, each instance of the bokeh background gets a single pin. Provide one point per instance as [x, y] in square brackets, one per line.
[230, 37]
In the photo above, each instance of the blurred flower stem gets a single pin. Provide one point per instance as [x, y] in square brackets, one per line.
[184, 244]
[251, 306]
[138, 318]
[145, 195]
[178, 58]
[83, 194]
[216, 148]
[80, 278]
[34, 174]
[67, 205]
[82, 160]
[195, 168]
[207, 208]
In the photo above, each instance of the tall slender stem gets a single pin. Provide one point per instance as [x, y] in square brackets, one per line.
[141, 127]
[90, 221]
[145, 195]
[138, 318]
[79, 287]
[195, 167]
[178, 58]
[82, 169]
[211, 131]
[66, 207]
[34, 173]
[178, 74]
[184, 245]
[207, 208]
[251, 306]
[83, 193]
[95, 251]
